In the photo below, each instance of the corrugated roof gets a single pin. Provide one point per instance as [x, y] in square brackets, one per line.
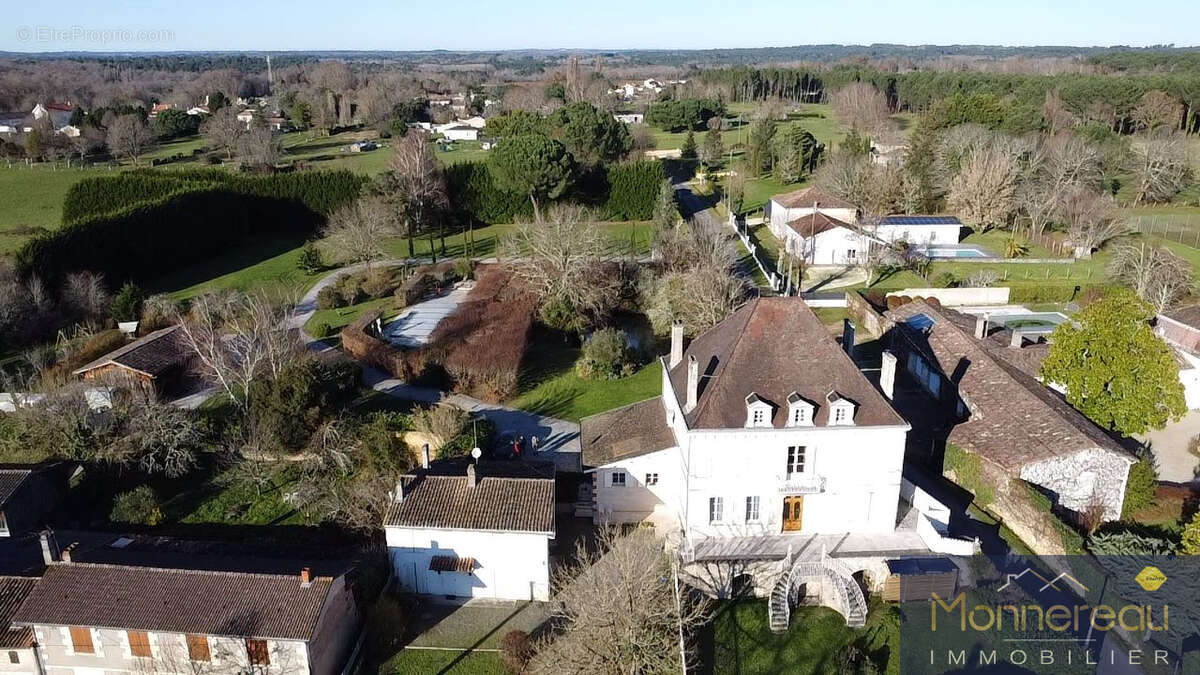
[235, 604]
[499, 503]
[13, 591]
[774, 347]
[10, 480]
[151, 354]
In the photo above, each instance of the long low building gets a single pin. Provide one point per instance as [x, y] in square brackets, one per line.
[108, 618]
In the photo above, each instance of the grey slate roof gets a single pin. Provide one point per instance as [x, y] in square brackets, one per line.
[774, 347]
[233, 604]
[628, 431]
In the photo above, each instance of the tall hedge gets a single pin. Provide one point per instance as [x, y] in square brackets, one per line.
[620, 191]
[633, 189]
[472, 190]
[203, 216]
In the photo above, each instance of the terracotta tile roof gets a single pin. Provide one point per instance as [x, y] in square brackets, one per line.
[13, 591]
[233, 604]
[10, 480]
[501, 503]
[774, 347]
[816, 223]
[152, 354]
[806, 197]
[1014, 419]
[629, 431]
[449, 563]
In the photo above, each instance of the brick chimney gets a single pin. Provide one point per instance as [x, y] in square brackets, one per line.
[425, 456]
[693, 383]
[887, 374]
[676, 343]
[1017, 340]
[981, 327]
[472, 479]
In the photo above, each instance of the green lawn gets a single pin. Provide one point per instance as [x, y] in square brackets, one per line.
[33, 198]
[340, 317]
[266, 263]
[231, 499]
[549, 385]
[739, 641]
[431, 662]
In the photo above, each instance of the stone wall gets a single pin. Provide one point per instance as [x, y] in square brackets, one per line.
[865, 316]
[951, 297]
[1079, 479]
[358, 342]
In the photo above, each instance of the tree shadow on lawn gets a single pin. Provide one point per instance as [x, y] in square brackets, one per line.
[252, 251]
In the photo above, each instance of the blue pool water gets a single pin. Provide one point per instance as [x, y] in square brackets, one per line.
[936, 252]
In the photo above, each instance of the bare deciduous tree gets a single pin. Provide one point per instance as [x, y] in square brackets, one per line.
[86, 296]
[1154, 273]
[259, 147]
[622, 611]
[156, 438]
[1060, 165]
[561, 256]
[861, 106]
[984, 191]
[356, 231]
[1156, 110]
[223, 130]
[240, 337]
[1090, 220]
[129, 136]
[418, 183]
[1160, 168]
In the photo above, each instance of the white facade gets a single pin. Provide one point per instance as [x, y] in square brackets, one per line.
[111, 653]
[735, 482]
[630, 118]
[19, 662]
[508, 565]
[457, 132]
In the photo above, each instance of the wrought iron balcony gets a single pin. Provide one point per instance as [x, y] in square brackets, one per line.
[802, 484]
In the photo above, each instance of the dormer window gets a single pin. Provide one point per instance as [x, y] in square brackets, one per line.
[800, 411]
[841, 410]
[758, 412]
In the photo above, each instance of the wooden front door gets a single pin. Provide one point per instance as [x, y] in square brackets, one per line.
[793, 513]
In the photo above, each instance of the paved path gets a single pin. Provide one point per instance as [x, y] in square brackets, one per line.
[745, 267]
[415, 324]
[1169, 445]
[558, 440]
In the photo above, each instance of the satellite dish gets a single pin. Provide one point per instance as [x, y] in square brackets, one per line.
[476, 453]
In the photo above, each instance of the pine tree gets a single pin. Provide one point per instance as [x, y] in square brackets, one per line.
[713, 148]
[688, 149]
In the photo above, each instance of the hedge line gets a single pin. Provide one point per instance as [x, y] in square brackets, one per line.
[619, 192]
[197, 219]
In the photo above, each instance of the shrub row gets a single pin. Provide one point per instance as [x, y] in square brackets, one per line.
[471, 189]
[633, 190]
[197, 219]
[1057, 293]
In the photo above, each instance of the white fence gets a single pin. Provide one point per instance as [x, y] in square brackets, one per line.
[951, 297]
[773, 280]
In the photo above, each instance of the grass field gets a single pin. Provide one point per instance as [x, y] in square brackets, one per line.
[549, 385]
[738, 640]
[437, 662]
[33, 198]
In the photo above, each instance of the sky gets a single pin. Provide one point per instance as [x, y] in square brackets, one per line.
[297, 25]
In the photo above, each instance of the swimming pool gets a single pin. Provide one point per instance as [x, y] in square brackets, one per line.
[963, 252]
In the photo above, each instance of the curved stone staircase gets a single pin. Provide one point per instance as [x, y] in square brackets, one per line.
[844, 595]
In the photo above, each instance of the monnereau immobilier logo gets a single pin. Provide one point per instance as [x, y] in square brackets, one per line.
[1066, 614]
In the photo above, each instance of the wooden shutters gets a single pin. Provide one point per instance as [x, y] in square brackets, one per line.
[259, 654]
[793, 513]
[81, 640]
[198, 648]
[139, 643]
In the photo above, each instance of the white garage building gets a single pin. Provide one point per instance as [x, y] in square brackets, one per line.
[466, 530]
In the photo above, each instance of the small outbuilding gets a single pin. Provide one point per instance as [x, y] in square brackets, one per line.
[467, 530]
[158, 363]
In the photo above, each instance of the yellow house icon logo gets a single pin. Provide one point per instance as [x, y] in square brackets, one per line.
[1150, 578]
